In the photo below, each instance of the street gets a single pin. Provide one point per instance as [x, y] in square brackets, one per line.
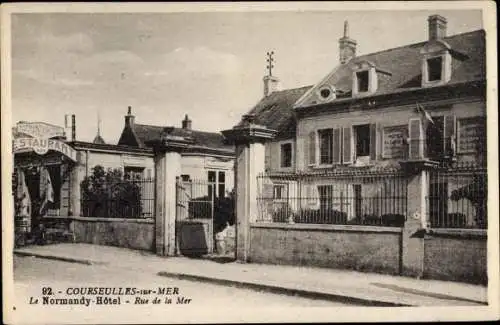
[32, 274]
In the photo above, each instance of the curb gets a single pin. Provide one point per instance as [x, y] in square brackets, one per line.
[58, 258]
[283, 290]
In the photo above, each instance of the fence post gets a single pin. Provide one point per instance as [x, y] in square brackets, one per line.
[249, 139]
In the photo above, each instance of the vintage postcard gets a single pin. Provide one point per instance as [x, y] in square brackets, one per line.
[249, 162]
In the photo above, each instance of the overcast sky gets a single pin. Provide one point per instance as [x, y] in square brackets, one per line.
[165, 65]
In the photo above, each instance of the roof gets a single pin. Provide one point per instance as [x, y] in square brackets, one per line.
[275, 111]
[142, 133]
[405, 64]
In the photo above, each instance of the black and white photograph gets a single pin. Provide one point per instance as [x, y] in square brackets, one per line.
[249, 162]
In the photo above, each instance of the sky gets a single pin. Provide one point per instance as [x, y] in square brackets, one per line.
[208, 65]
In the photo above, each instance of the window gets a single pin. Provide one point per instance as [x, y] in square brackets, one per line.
[435, 138]
[362, 138]
[286, 155]
[278, 192]
[325, 93]
[362, 77]
[434, 66]
[325, 146]
[325, 197]
[222, 184]
[216, 184]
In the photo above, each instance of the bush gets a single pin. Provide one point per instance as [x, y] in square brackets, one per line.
[325, 216]
[105, 194]
[393, 220]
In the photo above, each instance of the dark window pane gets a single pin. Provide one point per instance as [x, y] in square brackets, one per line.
[325, 146]
[362, 77]
[362, 140]
[286, 155]
[434, 68]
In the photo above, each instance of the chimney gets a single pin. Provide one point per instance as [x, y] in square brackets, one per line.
[271, 84]
[347, 46]
[437, 27]
[129, 118]
[187, 123]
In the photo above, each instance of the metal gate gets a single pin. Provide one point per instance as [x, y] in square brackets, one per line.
[195, 217]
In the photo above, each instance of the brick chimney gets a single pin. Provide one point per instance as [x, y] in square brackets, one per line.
[129, 118]
[347, 46]
[437, 27]
[187, 123]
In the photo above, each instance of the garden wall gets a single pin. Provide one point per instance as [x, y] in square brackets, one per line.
[457, 255]
[127, 233]
[365, 248]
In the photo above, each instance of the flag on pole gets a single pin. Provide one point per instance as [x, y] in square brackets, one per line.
[424, 113]
[49, 191]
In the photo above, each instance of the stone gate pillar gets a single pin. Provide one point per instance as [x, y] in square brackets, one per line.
[167, 168]
[249, 140]
[417, 218]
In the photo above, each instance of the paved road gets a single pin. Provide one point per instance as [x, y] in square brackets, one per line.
[31, 274]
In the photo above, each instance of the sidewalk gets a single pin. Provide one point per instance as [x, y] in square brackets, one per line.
[338, 285]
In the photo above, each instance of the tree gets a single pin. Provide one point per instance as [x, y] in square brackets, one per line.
[107, 194]
[476, 193]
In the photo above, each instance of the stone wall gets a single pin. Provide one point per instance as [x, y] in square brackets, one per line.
[459, 255]
[127, 233]
[363, 248]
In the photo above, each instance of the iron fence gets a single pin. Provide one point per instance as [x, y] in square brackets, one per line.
[343, 197]
[118, 198]
[457, 196]
[195, 199]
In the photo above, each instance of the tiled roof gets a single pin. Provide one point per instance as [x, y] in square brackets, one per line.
[275, 111]
[211, 140]
[405, 64]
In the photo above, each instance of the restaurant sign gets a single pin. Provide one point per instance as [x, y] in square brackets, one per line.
[42, 145]
[40, 129]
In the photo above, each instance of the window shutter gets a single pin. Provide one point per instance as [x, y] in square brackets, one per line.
[416, 143]
[267, 157]
[373, 142]
[450, 135]
[347, 145]
[312, 148]
[336, 146]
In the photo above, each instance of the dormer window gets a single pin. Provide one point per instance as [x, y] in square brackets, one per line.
[363, 77]
[434, 68]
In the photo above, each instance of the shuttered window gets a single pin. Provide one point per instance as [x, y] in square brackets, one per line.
[450, 123]
[373, 142]
[312, 148]
[325, 146]
[347, 145]
[337, 141]
[416, 143]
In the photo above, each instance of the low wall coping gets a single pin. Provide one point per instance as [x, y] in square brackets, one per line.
[452, 232]
[323, 227]
[90, 219]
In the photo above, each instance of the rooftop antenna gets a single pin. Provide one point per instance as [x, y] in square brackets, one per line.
[270, 61]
